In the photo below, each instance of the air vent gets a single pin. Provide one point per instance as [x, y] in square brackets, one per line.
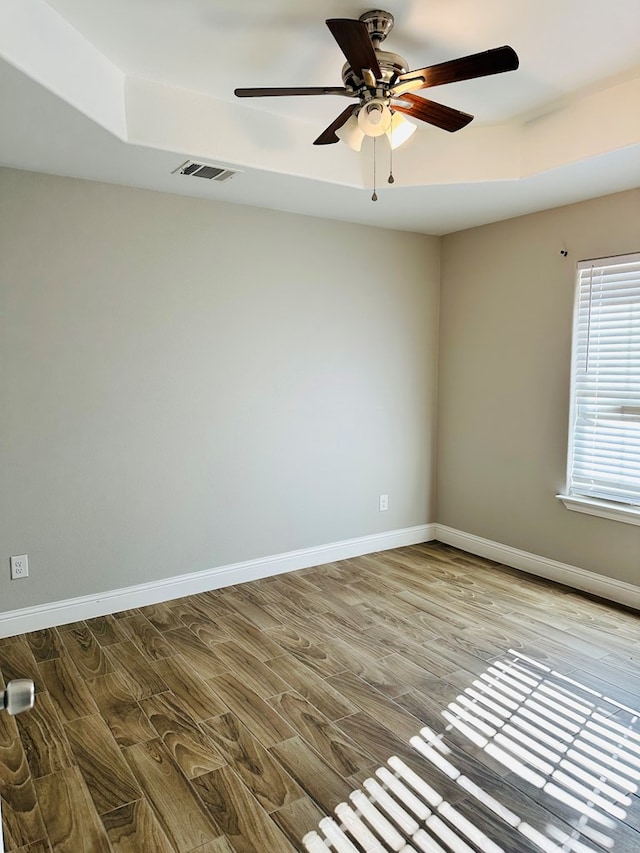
[205, 170]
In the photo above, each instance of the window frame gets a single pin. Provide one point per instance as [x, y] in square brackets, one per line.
[609, 508]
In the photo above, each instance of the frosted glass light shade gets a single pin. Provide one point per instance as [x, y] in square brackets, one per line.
[400, 130]
[374, 118]
[351, 134]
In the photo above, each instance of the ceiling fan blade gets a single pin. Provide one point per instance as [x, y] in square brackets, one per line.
[494, 61]
[408, 85]
[328, 136]
[299, 90]
[355, 42]
[437, 114]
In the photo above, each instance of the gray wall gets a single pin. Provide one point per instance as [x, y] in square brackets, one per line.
[505, 352]
[187, 384]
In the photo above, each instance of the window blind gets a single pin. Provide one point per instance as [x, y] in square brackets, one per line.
[604, 448]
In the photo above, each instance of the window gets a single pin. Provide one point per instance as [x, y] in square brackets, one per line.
[603, 476]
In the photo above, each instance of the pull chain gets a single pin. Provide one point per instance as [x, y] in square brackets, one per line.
[374, 197]
[390, 179]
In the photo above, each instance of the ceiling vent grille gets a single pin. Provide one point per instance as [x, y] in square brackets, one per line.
[205, 170]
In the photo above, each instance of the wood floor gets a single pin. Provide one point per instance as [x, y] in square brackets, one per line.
[237, 720]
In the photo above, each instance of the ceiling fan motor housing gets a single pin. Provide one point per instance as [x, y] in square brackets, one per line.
[379, 24]
[391, 65]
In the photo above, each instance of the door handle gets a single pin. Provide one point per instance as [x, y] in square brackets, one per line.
[19, 696]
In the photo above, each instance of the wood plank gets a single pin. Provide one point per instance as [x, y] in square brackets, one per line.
[377, 705]
[260, 644]
[67, 689]
[332, 627]
[121, 712]
[297, 819]
[133, 828]
[331, 590]
[202, 658]
[321, 782]
[318, 691]
[42, 846]
[261, 720]
[238, 814]
[384, 744]
[496, 830]
[197, 698]
[106, 774]
[147, 638]
[20, 811]
[218, 845]
[390, 675]
[468, 650]
[71, 821]
[141, 679]
[162, 617]
[393, 639]
[306, 651]
[287, 591]
[43, 739]
[208, 631]
[210, 604]
[85, 651]
[22, 819]
[250, 610]
[44, 644]
[338, 750]
[436, 608]
[192, 751]
[178, 810]
[427, 706]
[261, 773]
[106, 630]
[249, 669]
[17, 661]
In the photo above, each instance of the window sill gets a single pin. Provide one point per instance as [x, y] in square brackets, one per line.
[603, 509]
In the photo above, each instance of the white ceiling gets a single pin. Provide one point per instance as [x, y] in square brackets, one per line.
[125, 90]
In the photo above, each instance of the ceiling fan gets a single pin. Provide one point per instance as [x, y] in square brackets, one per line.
[383, 86]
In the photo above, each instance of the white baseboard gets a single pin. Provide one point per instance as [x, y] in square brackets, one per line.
[581, 579]
[87, 606]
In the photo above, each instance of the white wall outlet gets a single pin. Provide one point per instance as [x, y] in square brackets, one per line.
[19, 567]
[384, 503]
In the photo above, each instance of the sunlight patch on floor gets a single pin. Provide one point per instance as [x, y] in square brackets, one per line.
[550, 730]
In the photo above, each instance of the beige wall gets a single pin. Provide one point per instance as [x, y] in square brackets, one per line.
[505, 350]
[187, 384]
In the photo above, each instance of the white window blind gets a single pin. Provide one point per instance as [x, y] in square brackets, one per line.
[604, 443]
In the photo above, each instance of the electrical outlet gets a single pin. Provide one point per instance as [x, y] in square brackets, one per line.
[19, 567]
[384, 503]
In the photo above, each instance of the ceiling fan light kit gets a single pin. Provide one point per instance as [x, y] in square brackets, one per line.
[351, 133]
[374, 117]
[383, 85]
[400, 131]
